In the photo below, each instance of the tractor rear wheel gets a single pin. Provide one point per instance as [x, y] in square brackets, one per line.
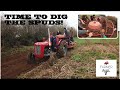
[62, 49]
[31, 58]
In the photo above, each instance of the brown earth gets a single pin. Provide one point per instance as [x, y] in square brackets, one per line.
[13, 65]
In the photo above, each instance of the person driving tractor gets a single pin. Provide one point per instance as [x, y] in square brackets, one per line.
[54, 38]
[58, 33]
[67, 35]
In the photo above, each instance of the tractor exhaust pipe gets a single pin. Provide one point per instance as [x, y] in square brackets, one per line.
[49, 37]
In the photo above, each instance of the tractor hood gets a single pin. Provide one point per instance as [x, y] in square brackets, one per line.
[42, 43]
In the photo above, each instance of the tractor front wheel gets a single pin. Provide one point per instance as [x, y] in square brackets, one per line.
[31, 58]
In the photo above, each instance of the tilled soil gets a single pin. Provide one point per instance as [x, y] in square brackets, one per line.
[12, 66]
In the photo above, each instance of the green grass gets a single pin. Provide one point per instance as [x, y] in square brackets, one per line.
[90, 53]
[96, 41]
[112, 56]
[76, 57]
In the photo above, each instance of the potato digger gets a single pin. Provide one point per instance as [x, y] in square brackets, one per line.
[58, 44]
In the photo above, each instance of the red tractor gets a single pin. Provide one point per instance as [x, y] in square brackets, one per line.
[58, 44]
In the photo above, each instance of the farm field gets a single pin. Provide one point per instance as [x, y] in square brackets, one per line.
[80, 62]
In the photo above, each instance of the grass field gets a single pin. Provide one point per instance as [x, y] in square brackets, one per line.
[97, 48]
[88, 51]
